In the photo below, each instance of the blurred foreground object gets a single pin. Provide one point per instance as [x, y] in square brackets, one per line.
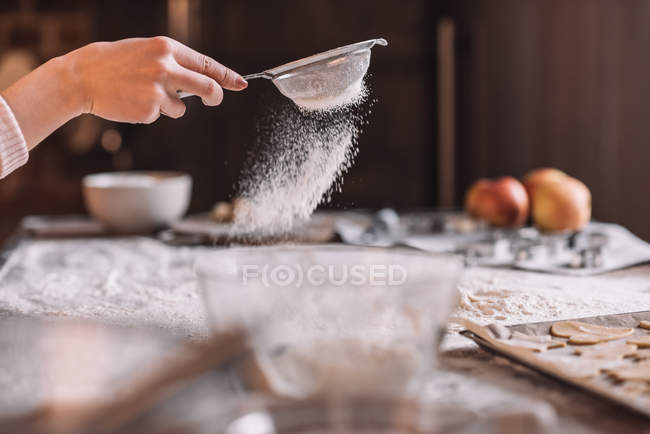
[333, 320]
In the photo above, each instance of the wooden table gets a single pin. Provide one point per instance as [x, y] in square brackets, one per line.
[141, 282]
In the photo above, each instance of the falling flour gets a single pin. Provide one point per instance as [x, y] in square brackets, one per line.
[303, 150]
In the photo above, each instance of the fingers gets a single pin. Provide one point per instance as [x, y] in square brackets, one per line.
[172, 106]
[198, 84]
[202, 64]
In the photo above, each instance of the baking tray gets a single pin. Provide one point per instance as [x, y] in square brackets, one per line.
[599, 386]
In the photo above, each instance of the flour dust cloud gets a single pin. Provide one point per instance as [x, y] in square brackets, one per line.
[302, 152]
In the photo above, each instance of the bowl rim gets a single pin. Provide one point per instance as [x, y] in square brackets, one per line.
[160, 177]
[201, 268]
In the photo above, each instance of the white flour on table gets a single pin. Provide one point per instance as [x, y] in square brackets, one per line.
[511, 297]
[126, 281]
[143, 281]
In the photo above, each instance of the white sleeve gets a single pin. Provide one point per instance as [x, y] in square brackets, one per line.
[13, 149]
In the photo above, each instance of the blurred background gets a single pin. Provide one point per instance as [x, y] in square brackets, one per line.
[466, 89]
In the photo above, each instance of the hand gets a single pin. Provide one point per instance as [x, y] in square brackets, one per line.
[135, 80]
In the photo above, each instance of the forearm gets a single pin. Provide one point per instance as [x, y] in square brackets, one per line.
[45, 99]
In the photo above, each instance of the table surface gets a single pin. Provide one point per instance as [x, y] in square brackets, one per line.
[142, 282]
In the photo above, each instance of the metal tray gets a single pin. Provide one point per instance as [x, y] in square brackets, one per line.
[599, 386]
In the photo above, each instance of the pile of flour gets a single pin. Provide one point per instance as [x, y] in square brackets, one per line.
[303, 150]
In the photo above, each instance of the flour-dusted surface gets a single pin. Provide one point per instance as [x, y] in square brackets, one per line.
[128, 281]
[511, 297]
[139, 281]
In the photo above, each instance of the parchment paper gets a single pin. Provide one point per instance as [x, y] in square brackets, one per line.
[601, 385]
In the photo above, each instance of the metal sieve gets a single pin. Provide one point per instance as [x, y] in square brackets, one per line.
[323, 75]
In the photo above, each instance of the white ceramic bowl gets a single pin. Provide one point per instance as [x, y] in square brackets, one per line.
[137, 202]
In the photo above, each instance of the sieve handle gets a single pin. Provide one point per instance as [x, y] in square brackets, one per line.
[258, 75]
[182, 94]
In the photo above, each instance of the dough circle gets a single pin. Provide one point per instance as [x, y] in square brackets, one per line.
[640, 372]
[640, 341]
[608, 351]
[582, 333]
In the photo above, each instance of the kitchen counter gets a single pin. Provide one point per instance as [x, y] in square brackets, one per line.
[142, 282]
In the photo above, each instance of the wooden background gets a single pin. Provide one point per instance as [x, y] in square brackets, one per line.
[561, 83]
[538, 83]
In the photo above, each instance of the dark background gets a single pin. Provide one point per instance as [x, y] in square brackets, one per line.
[537, 83]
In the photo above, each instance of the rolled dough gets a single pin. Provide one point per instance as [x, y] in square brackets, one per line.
[532, 342]
[640, 372]
[582, 333]
[643, 354]
[645, 325]
[607, 351]
[640, 341]
[573, 366]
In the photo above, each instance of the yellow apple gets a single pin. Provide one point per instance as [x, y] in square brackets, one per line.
[540, 176]
[561, 204]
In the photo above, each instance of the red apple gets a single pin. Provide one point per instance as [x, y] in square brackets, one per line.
[561, 204]
[503, 202]
[475, 196]
[540, 176]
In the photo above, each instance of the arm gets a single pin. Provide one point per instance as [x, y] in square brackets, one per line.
[133, 80]
[42, 101]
